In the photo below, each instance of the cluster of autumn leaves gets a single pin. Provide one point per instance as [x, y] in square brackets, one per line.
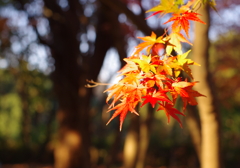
[153, 74]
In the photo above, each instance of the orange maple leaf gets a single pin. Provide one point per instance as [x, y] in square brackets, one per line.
[182, 20]
[166, 65]
[184, 89]
[149, 41]
[128, 103]
[129, 67]
[116, 92]
[159, 78]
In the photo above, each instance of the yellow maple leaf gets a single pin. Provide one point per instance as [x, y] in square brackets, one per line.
[184, 62]
[145, 64]
[182, 59]
[165, 6]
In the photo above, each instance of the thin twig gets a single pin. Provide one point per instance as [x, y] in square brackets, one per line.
[94, 84]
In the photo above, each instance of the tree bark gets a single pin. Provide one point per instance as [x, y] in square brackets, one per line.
[72, 150]
[144, 134]
[137, 139]
[209, 114]
[72, 70]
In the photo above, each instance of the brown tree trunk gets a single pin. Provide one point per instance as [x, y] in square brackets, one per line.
[209, 115]
[131, 146]
[72, 149]
[137, 139]
[144, 134]
[69, 78]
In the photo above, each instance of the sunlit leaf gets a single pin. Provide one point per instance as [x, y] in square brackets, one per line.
[181, 20]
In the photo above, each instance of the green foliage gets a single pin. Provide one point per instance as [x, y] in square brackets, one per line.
[224, 65]
[24, 91]
[10, 117]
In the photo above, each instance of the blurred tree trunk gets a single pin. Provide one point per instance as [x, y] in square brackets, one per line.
[144, 134]
[72, 70]
[72, 150]
[137, 139]
[209, 115]
[131, 146]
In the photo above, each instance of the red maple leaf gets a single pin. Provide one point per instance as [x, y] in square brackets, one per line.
[149, 41]
[129, 67]
[155, 97]
[171, 111]
[182, 20]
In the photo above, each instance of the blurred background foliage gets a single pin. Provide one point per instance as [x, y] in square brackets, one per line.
[224, 64]
[28, 104]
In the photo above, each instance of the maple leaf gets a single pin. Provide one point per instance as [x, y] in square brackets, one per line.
[150, 83]
[165, 6]
[183, 62]
[155, 13]
[148, 80]
[191, 98]
[129, 67]
[167, 65]
[179, 87]
[132, 78]
[155, 97]
[124, 87]
[122, 110]
[128, 103]
[182, 59]
[176, 38]
[145, 64]
[182, 20]
[166, 68]
[179, 2]
[184, 89]
[116, 92]
[159, 78]
[149, 42]
[171, 111]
